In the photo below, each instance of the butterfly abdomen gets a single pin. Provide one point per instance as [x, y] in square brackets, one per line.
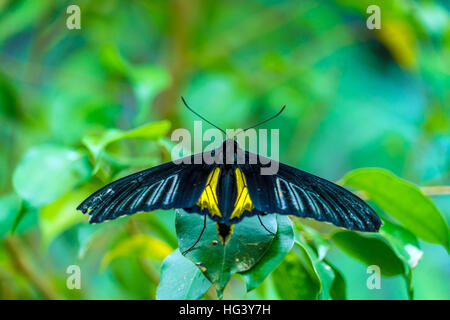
[224, 232]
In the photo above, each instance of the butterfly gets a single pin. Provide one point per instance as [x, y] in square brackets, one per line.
[229, 189]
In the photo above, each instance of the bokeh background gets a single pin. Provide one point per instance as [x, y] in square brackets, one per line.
[355, 98]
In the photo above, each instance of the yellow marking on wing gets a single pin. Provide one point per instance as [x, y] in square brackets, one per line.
[243, 201]
[208, 198]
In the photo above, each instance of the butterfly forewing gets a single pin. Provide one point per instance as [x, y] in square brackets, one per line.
[294, 192]
[228, 193]
[166, 186]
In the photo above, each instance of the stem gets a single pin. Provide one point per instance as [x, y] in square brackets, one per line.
[429, 191]
[15, 251]
[436, 190]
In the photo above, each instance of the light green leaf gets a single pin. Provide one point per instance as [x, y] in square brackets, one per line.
[338, 287]
[277, 250]
[403, 201]
[97, 144]
[62, 214]
[139, 245]
[403, 242]
[147, 80]
[181, 279]
[28, 12]
[371, 250]
[48, 171]
[150, 131]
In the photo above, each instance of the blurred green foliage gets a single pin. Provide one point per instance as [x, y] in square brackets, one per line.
[80, 108]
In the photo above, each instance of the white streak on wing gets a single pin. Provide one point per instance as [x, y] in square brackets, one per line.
[291, 194]
[299, 204]
[173, 189]
[309, 201]
[149, 201]
[280, 195]
[158, 192]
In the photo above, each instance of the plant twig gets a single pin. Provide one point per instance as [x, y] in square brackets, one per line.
[15, 252]
[429, 191]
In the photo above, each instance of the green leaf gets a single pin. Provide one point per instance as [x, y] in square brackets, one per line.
[371, 251]
[407, 248]
[9, 208]
[97, 144]
[147, 80]
[279, 247]
[403, 242]
[62, 214]
[295, 278]
[321, 244]
[139, 245]
[245, 249]
[338, 287]
[403, 201]
[25, 11]
[48, 171]
[88, 234]
[323, 271]
[181, 279]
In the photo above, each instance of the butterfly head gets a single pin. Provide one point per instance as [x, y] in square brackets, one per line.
[230, 148]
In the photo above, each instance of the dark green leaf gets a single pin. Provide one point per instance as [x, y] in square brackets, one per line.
[245, 249]
[323, 271]
[295, 278]
[277, 250]
[371, 250]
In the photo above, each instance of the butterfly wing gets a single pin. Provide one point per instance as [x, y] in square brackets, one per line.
[295, 192]
[165, 186]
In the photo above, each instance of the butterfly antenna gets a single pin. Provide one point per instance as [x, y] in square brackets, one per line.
[198, 115]
[200, 236]
[258, 124]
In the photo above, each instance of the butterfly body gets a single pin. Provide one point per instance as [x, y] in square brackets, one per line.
[226, 185]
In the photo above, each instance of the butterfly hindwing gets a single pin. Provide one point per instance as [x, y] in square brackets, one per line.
[165, 186]
[295, 192]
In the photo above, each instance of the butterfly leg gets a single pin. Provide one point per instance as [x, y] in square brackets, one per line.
[260, 221]
[201, 233]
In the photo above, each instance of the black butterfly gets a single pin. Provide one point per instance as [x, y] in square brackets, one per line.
[228, 189]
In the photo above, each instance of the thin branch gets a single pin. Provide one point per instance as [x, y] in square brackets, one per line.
[436, 190]
[429, 191]
[15, 252]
